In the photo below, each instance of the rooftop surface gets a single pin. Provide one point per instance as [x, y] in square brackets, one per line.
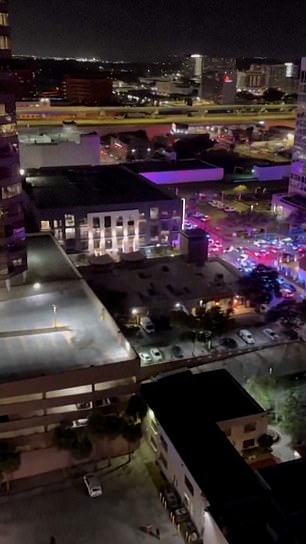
[53, 322]
[226, 480]
[169, 166]
[296, 199]
[285, 481]
[163, 283]
[94, 186]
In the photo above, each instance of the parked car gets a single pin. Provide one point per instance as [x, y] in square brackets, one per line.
[177, 352]
[145, 357]
[80, 422]
[229, 343]
[271, 334]
[156, 355]
[229, 209]
[93, 485]
[147, 325]
[246, 336]
[84, 406]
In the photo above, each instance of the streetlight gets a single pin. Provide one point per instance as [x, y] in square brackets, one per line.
[54, 307]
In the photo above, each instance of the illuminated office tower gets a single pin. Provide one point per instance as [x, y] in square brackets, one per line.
[297, 182]
[13, 257]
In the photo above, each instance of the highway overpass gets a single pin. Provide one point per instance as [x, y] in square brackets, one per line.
[41, 115]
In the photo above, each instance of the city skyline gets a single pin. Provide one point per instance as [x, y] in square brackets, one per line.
[52, 28]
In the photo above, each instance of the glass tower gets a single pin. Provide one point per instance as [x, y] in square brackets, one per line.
[13, 257]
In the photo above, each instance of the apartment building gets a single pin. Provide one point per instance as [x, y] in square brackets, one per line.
[105, 209]
[194, 420]
[12, 234]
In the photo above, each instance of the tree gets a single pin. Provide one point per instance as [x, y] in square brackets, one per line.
[239, 190]
[105, 426]
[264, 389]
[9, 462]
[82, 447]
[291, 416]
[137, 408]
[75, 441]
[132, 434]
[265, 441]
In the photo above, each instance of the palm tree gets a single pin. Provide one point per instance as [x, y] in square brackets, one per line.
[132, 434]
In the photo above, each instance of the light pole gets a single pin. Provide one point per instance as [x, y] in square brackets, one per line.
[54, 307]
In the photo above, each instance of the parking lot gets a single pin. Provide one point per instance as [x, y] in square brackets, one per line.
[129, 501]
[164, 341]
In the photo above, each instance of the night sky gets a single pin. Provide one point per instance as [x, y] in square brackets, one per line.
[153, 29]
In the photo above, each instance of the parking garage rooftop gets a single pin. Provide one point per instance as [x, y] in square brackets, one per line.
[53, 322]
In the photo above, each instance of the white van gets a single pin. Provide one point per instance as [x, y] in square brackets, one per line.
[147, 324]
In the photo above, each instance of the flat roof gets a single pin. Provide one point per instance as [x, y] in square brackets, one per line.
[53, 322]
[143, 167]
[179, 405]
[91, 186]
[160, 282]
[285, 481]
[296, 199]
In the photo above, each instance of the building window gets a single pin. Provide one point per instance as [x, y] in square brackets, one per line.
[69, 220]
[119, 222]
[189, 485]
[3, 19]
[249, 427]
[163, 460]
[154, 232]
[248, 443]
[108, 244]
[107, 221]
[45, 225]
[96, 222]
[69, 234]
[163, 443]
[96, 244]
[4, 42]
[154, 213]
[10, 191]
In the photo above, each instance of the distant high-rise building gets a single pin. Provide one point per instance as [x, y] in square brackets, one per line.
[297, 182]
[192, 67]
[88, 89]
[13, 257]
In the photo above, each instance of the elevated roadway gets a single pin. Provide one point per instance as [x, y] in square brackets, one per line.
[41, 115]
[210, 119]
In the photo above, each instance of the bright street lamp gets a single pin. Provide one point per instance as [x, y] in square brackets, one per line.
[54, 307]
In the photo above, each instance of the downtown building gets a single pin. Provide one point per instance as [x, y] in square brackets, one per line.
[13, 260]
[295, 200]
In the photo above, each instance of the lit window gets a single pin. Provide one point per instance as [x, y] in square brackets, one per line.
[70, 233]
[10, 191]
[3, 19]
[154, 213]
[69, 220]
[45, 225]
[119, 222]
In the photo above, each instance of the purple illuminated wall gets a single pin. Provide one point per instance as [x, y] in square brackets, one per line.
[184, 176]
